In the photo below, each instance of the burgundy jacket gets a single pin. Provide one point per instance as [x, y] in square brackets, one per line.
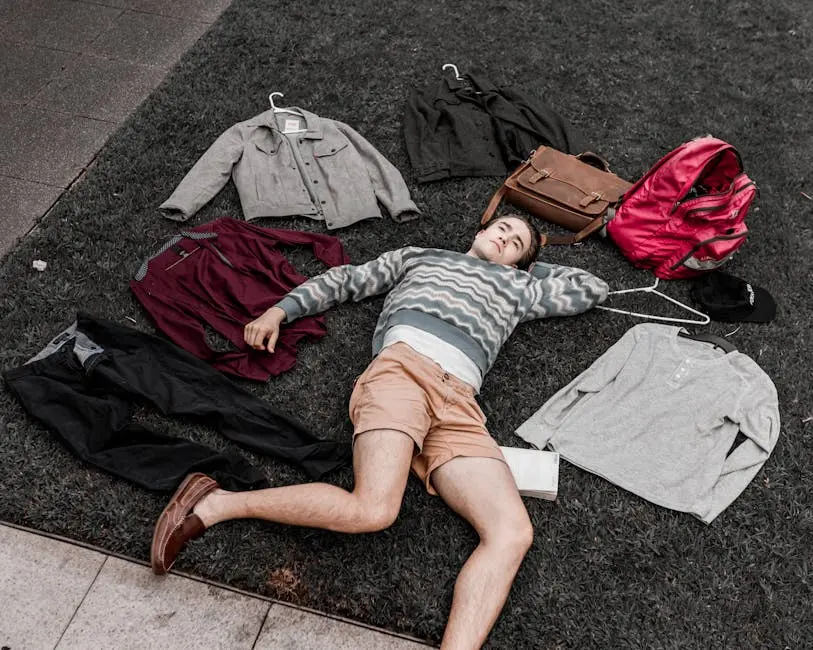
[222, 275]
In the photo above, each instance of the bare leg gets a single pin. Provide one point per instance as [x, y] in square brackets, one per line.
[381, 461]
[482, 491]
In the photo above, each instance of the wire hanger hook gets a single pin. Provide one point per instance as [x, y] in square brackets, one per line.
[271, 99]
[453, 67]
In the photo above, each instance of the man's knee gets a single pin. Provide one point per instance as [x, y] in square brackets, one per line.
[513, 538]
[377, 515]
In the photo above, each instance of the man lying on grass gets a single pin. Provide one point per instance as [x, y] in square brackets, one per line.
[441, 327]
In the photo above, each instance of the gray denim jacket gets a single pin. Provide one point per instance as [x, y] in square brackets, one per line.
[328, 173]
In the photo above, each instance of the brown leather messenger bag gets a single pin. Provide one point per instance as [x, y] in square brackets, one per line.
[577, 193]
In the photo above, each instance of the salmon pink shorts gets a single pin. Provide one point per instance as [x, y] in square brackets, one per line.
[406, 391]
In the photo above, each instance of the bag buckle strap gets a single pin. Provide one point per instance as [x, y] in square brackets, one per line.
[590, 198]
[540, 174]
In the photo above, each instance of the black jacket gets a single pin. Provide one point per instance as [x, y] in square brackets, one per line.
[474, 128]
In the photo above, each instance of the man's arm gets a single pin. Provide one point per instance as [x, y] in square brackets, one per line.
[206, 178]
[335, 286]
[562, 291]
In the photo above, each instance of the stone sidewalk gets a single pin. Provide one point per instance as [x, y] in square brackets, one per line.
[59, 595]
[71, 72]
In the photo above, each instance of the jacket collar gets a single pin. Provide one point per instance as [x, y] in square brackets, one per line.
[482, 83]
[313, 123]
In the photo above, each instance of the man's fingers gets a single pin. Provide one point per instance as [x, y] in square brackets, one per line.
[254, 336]
[272, 339]
[256, 332]
[249, 333]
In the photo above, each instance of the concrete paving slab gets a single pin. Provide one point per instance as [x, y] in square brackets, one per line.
[47, 146]
[42, 582]
[129, 607]
[100, 88]
[147, 39]
[23, 204]
[288, 627]
[204, 10]
[26, 69]
[60, 24]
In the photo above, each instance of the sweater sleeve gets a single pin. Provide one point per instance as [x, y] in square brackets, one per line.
[206, 178]
[343, 283]
[757, 415]
[543, 425]
[562, 291]
[389, 186]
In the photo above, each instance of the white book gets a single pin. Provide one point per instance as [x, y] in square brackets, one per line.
[536, 472]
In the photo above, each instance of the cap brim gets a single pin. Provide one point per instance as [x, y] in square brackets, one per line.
[764, 307]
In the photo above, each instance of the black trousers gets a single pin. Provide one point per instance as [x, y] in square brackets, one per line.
[81, 385]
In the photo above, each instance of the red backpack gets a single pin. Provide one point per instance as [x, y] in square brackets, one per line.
[686, 215]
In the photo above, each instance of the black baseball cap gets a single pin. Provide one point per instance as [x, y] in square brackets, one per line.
[730, 299]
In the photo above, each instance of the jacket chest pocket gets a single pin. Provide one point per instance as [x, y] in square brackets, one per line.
[340, 165]
[327, 151]
[275, 171]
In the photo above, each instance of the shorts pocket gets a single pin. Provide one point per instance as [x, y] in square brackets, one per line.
[357, 398]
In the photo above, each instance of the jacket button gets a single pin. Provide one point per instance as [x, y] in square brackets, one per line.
[330, 224]
[307, 163]
[324, 202]
[315, 182]
[332, 151]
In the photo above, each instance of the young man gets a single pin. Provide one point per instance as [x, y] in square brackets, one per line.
[440, 329]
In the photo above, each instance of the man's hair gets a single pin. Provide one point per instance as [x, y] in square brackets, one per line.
[532, 253]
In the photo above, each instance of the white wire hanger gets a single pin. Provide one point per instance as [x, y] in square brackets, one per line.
[454, 68]
[278, 109]
[704, 318]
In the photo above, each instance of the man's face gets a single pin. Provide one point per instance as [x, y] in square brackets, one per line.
[505, 241]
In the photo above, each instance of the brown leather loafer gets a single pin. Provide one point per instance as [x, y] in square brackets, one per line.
[177, 523]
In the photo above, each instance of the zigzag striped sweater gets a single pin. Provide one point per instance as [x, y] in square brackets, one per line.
[470, 303]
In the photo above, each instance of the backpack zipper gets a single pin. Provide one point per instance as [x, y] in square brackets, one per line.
[704, 243]
[716, 195]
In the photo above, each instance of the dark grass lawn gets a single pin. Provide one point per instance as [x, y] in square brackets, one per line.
[607, 569]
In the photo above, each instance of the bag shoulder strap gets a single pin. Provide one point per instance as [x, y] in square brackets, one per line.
[493, 204]
[565, 240]
[555, 240]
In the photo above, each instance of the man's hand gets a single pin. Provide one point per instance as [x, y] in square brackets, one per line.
[265, 327]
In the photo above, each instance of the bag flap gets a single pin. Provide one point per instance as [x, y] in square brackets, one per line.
[569, 181]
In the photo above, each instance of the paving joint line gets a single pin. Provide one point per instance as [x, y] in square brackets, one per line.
[214, 583]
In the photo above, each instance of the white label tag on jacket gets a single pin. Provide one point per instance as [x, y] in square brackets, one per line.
[291, 126]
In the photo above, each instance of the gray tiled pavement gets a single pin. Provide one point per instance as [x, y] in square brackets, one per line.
[71, 71]
[62, 596]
